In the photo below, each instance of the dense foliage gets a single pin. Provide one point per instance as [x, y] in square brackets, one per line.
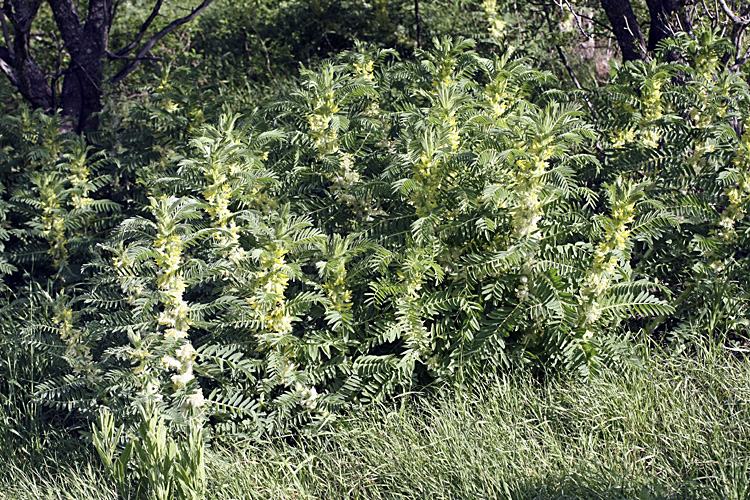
[393, 220]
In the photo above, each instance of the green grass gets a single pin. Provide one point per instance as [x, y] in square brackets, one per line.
[675, 427]
[54, 481]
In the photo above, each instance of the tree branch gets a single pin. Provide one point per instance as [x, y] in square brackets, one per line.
[418, 20]
[17, 63]
[142, 32]
[21, 13]
[576, 16]
[708, 11]
[68, 22]
[113, 8]
[6, 33]
[734, 17]
[265, 51]
[6, 65]
[660, 28]
[740, 60]
[564, 61]
[113, 56]
[155, 39]
[626, 29]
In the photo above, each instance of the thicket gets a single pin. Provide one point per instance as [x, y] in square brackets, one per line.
[395, 220]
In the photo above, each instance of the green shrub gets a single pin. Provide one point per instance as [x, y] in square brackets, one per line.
[388, 225]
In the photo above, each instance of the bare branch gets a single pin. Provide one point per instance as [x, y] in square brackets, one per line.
[6, 65]
[155, 39]
[734, 17]
[738, 38]
[708, 11]
[21, 13]
[115, 57]
[740, 60]
[178, 7]
[576, 16]
[265, 50]
[564, 61]
[607, 29]
[716, 9]
[626, 28]
[9, 73]
[113, 8]
[6, 33]
[142, 32]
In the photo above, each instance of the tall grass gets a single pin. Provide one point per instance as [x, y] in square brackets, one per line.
[54, 481]
[673, 427]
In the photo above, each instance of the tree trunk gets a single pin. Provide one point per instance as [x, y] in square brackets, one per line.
[660, 28]
[626, 29]
[87, 44]
[86, 41]
[82, 95]
[24, 73]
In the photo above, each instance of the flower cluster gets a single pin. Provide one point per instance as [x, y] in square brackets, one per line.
[273, 280]
[650, 138]
[607, 253]
[218, 194]
[308, 396]
[496, 26]
[335, 287]
[621, 138]
[77, 353]
[527, 211]
[319, 121]
[522, 290]
[444, 72]
[78, 173]
[454, 136]
[425, 176]
[738, 194]
[182, 363]
[497, 95]
[53, 217]
[343, 180]
[651, 97]
[364, 70]
[168, 248]
[650, 79]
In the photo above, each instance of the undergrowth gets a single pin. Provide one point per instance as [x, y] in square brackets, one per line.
[670, 427]
[188, 277]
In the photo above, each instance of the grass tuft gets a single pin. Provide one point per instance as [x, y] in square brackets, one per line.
[674, 427]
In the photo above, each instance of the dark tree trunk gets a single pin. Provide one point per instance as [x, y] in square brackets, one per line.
[660, 27]
[86, 42]
[82, 95]
[21, 68]
[663, 13]
[626, 29]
